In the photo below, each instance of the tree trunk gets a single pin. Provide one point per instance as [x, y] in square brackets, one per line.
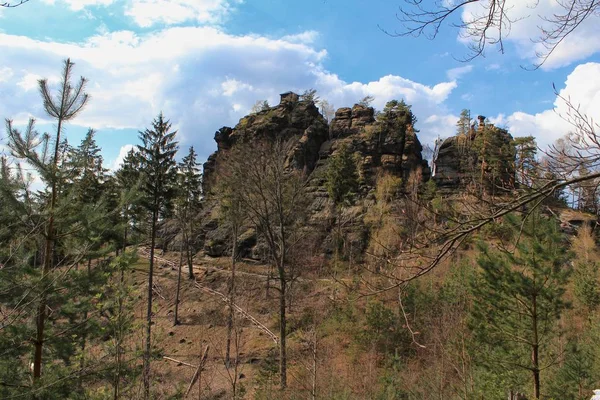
[313, 392]
[535, 351]
[231, 298]
[48, 257]
[282, 330]
[119, 339]
[176, 319]
[189, 257]
[148, 349]
[85, 317]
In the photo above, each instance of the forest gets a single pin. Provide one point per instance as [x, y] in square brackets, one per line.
[318, 253]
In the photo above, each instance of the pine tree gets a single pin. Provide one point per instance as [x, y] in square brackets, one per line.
[520, 297]
[341, 179]
[157, 154]
[525, 161]
[463, 125]
[67, 105]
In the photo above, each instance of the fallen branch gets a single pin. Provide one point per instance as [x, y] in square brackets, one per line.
[180, 362]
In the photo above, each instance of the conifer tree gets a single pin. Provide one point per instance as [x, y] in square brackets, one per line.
[520, 297]
[157, 154]
[128, 181]
[341, 176]
[525, 160]
[191, 193]
[463, 126]
[67, 104]
[188, 204]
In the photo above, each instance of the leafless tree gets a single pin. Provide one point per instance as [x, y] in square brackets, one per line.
[492, 23]
[272, 196]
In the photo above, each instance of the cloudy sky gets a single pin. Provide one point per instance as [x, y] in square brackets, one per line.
[204, 63]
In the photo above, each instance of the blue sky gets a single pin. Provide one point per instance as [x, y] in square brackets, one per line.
[204, 63]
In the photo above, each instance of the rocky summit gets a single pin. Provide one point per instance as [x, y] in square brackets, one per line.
[381, 145]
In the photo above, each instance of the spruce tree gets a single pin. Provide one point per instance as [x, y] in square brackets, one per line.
[128, 183]
[191, 193]
[157, 154]
[188, 203]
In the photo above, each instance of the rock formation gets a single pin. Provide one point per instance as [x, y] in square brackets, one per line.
[387, 144]
[484, 156]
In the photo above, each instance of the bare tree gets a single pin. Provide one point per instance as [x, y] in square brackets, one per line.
[233, 216]
[492, 21]
[272, 196]
[327, 110]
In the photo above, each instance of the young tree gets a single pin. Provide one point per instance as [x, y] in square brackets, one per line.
[273, 197]
[520, 297]
[157, 154]
[128, 182]
[191, 192]
[57, 226]
[188, 203]
[233, 215]
[67, 105]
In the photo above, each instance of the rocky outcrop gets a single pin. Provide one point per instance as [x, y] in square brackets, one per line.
[484, 156]
[292, 120]
[387, 145]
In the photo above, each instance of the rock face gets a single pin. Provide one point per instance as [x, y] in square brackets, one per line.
[485, 156]
[384, 146]
[292, 119]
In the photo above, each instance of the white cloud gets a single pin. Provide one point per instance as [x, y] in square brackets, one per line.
[456, 73]
[150, 12]
[29, 82]
[201, 78]
[6, 74]
[582, 88]
[78, 5]
[530, 16]
[306, 37]
[116, 164]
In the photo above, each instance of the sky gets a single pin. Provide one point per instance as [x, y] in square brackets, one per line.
[204, 63]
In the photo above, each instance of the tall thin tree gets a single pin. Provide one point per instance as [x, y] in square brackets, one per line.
[68, 102]
[157, 154]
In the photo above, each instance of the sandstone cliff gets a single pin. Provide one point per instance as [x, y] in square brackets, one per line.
[387, 145]
[485, 157]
